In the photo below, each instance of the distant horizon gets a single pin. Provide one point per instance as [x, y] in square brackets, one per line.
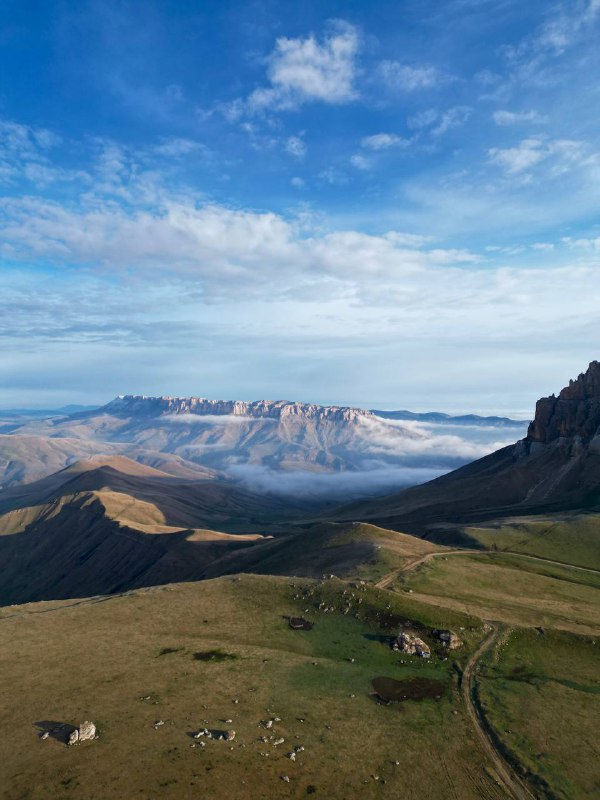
[515, 416]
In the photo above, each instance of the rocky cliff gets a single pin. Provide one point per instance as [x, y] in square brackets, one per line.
[575, 413]
[269, 409]
[555, 468]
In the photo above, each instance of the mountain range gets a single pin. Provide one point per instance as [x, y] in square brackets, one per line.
[253, 443]
[108, 522]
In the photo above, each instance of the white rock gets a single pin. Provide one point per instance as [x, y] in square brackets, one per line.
[87, 731]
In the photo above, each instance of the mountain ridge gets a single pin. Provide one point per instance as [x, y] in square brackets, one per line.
[261, 409]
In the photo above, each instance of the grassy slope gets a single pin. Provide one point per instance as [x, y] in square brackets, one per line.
[571, 538]
[511, 589]
[96, 660]
[542, 695]
[351, 550]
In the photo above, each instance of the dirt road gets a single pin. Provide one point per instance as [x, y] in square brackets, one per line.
[506, 776]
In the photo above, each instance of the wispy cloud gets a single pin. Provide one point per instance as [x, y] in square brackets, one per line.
[409, 78]
[531, 152]
[438, 123]
[383, 141]
[295, 146]
[505, 118]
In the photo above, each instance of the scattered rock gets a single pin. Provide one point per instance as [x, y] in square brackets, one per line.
[45, 735]
[73, 737]
[285, 779]
[230, 736]
[279, 741]
[159, 723]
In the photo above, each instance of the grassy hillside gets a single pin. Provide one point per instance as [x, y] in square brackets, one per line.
[542, 695]
[184, 654]
[571, 538]
[510, 588]
[351, 550]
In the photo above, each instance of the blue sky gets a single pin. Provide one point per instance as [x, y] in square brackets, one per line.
[383, 204]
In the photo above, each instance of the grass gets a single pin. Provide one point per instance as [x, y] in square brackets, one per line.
[541, 693]
[570, 538]
[98, 660]
[510, 589]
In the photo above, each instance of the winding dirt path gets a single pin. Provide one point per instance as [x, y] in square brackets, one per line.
[410, 565]
[506, 776]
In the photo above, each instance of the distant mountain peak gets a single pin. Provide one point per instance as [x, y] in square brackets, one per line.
[574, 413]
[259, 409]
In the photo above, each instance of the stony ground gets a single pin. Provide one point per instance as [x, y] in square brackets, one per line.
[220, 655]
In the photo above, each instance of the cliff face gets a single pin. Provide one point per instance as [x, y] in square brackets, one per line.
[574, 413]
[268, 409]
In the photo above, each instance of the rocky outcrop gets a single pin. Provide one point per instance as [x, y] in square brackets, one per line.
[258, 409]
[411, 645]
[84, 733]
[448, 638]
[575, 413]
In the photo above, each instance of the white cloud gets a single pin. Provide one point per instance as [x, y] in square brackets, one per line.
[409, 78]
[563, 154]
[298, 183]
[440, 123]
[564, 26]
[590, 244]
[209, 420]
[175, 147]
[506, 118]
[295, 146]
[423, 119]
[333, 176]
[452, 118]
[305, 70]
[360, 162]
[383, 141]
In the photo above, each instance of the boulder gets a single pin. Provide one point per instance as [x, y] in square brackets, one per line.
[448, 638]
[87, 731]
[412, 645]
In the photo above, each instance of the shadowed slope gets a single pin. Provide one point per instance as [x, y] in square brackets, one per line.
[111, 524]
[555, 468]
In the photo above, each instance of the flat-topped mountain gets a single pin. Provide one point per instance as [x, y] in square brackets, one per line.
[257, 409]
[253, 443]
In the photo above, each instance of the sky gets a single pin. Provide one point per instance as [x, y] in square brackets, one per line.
[390, 205]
